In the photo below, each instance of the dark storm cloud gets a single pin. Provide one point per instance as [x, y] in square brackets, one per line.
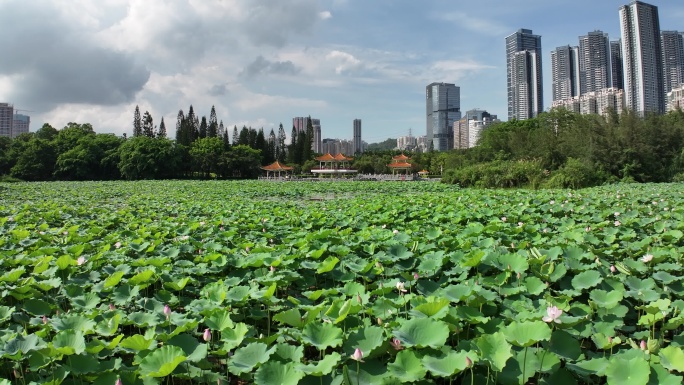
[51, 63]
[262, 66]
[218, 90]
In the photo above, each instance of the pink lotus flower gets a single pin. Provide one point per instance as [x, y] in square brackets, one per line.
[612, 269]
[503, 219]
[553, 313]
[117, 245]
[395, 231]
[81, 260]
[617, 223]
[358, 355]
[469, 362]
[118, 382]
[415, 276]
[642, 345]
[207, 335]
[112, 307]
[272, 269]
[45, 320]
[396, 344]
[647, 258]
[400, 287]
[167, 311]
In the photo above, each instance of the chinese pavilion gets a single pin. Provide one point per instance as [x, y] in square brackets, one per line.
[275, 169]
[400, 163]
[333, 165]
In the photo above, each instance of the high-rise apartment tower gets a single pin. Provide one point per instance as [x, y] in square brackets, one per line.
[358, 144]
[673, 59]
[594, 62]
[524, 75]
[642, 58]
[565, 72]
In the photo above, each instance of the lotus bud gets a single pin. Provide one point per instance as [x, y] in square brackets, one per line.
[167, 311]
[358, 298]
[415, 276]
[271, 268]
[207, 335]
[112, 307]
[396, 231]
[118, 381]
[469, 362]
[117, 245]
[612, 269]
[45, 320]
[358, 355]
[518, 275]
[642, 345]
[379, 321]
[396, 344]
[610, 340]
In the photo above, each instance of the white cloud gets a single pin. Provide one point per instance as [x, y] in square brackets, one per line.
[325, 15]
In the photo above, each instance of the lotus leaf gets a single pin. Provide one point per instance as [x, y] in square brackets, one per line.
[322, 367]
[367, 339]
[69, 342]
[446, 364]
[634, 371]
[407, 367]
[494, 349]
[527, 333]
[672, 358]
[246, 358]
[422, 332]
[192, 348]
[322, 335]
[161, 362]
[219, 320]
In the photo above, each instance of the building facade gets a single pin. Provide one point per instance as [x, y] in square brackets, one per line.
[673, 59]
[467, 130]
[358, 143]
[565, 72]
[299, 124]
[443, 108]
[642, 58]
[524, 75]
[596, 102]
[594, 62]
[675, 99]
[6, 119]
[20, 125]
[617, 74]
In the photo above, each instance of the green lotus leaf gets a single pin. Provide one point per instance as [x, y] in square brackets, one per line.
[526, 334]
[635, 371]
[604, 299]
[407, 367]
[534, 285]
[457, 293]
[494, 349]
[177, 284]
[561, 376]
[277, 373]
[219, 319]
[672, 358]
[161, 362]
[321, 335]
[565, 345]
[339, 310]
[142, 277]
[13, 275]
[108, 326]
[446, 364]
[605, 342]
[69, 342]
[124, 294]
[367, 339]
[422, 332]
[136, 342]
[513, 262]
[655, 307]
[436, 308]
[37, 307]
[83, 363]
[233, 337]
[74, 322]
[238, 293]
[246, 358]
[586, 279]
[22, 344]
[663, 377]
[289, 353]
[142, 320]
[48, 284]
[526, 363]
[327, 265]
[86, 301]
[291, 317]
[322, 367]
[193, 350]
[113, 280]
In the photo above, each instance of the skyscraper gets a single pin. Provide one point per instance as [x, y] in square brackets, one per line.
[20, 125]
[6, 119]
[524, 78]
[594, 62]
[443, 108]
[642, 57]
[565, 72]
[299, 123]
[617, 74]
[358, 144]
[673, 59]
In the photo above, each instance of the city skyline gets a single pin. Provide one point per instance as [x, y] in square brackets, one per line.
[93, 62]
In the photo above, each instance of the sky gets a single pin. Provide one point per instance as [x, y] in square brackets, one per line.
[263, 62]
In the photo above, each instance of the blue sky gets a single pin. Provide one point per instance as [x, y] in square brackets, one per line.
[263, 62]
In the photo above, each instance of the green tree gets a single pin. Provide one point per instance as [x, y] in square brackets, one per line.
[307, 148]
[147, 158]
[148, 125]
[281, 148]
[46, 132]
[161, 133]
[213, 129]
[137, 123]
[243, 161]
[203, 128]
[36, 162]
[207, 154]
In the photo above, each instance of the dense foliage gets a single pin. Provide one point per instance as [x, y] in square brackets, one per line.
[354, 283]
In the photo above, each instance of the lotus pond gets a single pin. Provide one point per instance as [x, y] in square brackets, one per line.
[339, 283]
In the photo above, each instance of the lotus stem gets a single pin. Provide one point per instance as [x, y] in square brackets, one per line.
[524, 364]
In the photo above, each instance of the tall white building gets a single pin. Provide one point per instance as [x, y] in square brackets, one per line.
[565, 72]
[642, 57]
[358, 143]
[467, 131]
[20, 125]
[617, 74]
[675, 99]
[299, 123]
[673, 59]
[524, 75]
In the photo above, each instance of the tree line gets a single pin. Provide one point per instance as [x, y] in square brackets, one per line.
[202, 149]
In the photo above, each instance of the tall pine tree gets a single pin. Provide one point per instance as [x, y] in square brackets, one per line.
[137, 123]
[292, 148]
[161, 133]
[203, 128]
[180, 128]
[212, 130]
[281, 149]
[236, 138]
[272, 147]
[307, 149]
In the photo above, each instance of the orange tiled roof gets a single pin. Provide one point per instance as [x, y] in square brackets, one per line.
[340, 157]
[276, 166]
[400, 165]
[401, 157]
[325, 158]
